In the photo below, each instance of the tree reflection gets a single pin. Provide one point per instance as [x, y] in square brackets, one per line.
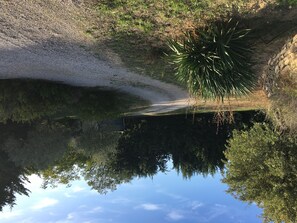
[109, 158]
[12, 180]
[195, 148]
[29, 100]
[35, 145]
[68, 149]
[57, 132]
[262, 168]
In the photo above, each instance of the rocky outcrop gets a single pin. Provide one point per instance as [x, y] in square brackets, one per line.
[279, 83]
[281, 64]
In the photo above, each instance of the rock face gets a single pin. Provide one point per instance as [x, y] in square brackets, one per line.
[279, 83]
[281, 64]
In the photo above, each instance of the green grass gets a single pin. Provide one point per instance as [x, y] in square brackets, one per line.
[138, 30]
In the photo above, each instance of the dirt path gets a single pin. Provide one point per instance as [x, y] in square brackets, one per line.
[44, 40]
[47, 39]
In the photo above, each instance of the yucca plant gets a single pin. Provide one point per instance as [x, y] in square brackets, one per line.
[214, 61]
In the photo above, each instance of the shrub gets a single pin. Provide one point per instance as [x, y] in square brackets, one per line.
[214, 61]
[284, 103]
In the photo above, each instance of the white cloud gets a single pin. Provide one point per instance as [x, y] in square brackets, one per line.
[35, 182]
[70, 216]
[221, 205]
[174, 196]
[96, 210]
[9, 214]
[196, 204]
[27, 220]
[77, 189]
[149, 207]
[175, 216]
[216, 211]
[119, 200]
[62, 221]
[68, 195]
[46, 202]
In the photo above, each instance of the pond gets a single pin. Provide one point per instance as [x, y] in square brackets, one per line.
[67, 155]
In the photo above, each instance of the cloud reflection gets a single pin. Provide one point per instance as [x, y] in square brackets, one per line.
[45, 202]
[7, 214]
[150, 207]
[175, 216]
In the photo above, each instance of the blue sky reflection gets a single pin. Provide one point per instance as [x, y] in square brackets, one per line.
[163, 198]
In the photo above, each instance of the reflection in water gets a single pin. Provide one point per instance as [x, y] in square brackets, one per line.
[61, 133]
[107, 154]
[33, 135]
[195, 148]
[12, 179]
[28, 100]
[262, 168]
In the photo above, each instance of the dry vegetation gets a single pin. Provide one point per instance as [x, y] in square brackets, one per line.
[284, 104]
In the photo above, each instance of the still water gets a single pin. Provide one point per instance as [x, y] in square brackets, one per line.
[67, 156]
[165, 198]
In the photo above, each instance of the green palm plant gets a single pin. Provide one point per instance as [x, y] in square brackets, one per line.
[214, 61]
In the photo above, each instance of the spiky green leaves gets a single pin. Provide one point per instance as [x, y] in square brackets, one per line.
[214, 61]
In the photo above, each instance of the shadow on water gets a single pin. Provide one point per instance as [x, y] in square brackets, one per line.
[28, 100]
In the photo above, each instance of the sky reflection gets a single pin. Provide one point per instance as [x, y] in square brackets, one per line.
[166, 197]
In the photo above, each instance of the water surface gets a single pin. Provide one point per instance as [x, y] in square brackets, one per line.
[67, 155]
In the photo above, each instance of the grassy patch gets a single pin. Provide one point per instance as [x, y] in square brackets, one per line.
[138, 31]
